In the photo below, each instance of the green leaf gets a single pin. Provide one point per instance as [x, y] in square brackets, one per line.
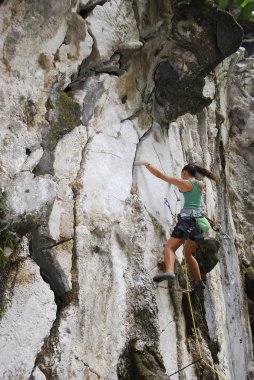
[246, 2]
[5, 261]
[223, 4]
[238, 3]
[247, 11]
[11, 244]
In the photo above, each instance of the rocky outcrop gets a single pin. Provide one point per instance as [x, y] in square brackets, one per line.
[202, 36]
[89, 88]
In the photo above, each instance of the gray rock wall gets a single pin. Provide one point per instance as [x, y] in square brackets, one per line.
[87, 89]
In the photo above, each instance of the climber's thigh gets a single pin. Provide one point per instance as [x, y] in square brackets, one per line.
[190, 247]
[174, 243]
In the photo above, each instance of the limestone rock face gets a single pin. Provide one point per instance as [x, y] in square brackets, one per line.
[30, 312]
[88, 89]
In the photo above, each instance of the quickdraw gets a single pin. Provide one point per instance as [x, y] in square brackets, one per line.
[217, 228]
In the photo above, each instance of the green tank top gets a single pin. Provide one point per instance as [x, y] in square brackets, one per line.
[192, 199]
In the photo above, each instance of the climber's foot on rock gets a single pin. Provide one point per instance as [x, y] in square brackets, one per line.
[198, 287]
[168, 276]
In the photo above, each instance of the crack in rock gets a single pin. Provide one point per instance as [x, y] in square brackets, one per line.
[90, 369]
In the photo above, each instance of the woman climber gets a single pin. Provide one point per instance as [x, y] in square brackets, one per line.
[188, 230]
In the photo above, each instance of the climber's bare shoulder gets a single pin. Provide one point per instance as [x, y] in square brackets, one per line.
[201, 186]
[182, 184]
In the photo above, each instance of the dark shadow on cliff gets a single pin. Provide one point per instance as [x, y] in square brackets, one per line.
[204, 36]
[249, 288]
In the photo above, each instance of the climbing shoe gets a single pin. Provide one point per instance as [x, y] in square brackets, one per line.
[164, 277]
[198, 287]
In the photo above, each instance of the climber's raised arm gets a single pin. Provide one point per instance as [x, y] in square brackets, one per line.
[182, 185]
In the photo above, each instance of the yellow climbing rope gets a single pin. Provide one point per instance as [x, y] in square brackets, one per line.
[194, 324]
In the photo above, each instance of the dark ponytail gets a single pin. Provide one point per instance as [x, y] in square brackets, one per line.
[206, 173]
[194, 169]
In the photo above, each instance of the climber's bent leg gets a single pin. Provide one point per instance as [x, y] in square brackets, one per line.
[169, 252]
[169, 256]
[190, 247]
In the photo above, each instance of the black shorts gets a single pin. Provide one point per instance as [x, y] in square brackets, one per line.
[188, 228]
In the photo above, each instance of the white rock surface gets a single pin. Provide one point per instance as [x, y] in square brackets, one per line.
[26, 321]
[32, 160]
[38, 375]
[28, 193]
[62, 253]
[119, 31]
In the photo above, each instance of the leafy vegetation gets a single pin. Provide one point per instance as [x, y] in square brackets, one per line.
[241, 10]
[1, 313]
[6, 240]
[3, 259]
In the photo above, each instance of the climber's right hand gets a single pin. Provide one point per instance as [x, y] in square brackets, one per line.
[141, 163]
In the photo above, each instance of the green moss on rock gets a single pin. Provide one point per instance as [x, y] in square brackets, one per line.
[141, 362]
[148, 364]
[68, 113]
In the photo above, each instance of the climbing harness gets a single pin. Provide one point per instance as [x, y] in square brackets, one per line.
[192, 227]
[187, 228]
[216, 228]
